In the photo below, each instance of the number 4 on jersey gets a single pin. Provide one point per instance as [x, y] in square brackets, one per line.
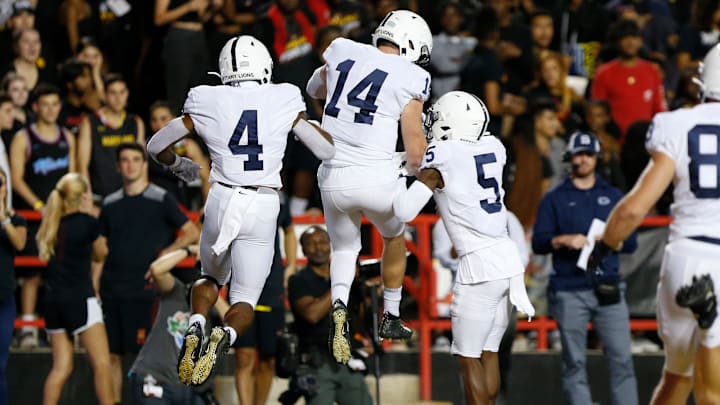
[367, 106]
[248, 120]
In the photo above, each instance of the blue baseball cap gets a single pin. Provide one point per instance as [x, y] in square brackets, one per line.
[582, 141]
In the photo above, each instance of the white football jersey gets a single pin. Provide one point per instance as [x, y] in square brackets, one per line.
[471, 203]
[367, 90]
[245, 128]
[691, 137]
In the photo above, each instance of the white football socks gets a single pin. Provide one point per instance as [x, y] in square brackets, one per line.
[233, 335]
[199, 319]
[392, 297]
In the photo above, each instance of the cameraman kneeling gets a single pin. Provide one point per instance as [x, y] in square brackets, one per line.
[319, 378]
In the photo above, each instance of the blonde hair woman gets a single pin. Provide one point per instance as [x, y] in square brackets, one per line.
[69, 240]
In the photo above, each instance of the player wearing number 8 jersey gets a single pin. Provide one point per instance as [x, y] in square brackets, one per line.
[368, 89]
[683, 146]
[244, 123]
[463, 169]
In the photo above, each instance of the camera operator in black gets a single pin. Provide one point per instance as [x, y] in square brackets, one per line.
[309, 293]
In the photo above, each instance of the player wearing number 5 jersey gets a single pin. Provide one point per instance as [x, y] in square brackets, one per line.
[244, 123]
[683, 147]
[368, 89]
[463, 169]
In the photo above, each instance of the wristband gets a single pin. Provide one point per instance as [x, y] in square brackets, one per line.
[6, 221]
[187, 250]
[38, 205]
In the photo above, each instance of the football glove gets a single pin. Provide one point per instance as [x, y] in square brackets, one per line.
[185, 169]
[597, 257]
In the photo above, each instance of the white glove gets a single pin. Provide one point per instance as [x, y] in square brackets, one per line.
[400, 163]
[185, 169]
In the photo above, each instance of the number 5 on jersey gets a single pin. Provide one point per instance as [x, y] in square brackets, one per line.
[488, 182]
[247, 121]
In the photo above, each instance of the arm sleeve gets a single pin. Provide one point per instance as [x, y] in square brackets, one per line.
[545, 226]
[166, 136]
[173, 214]
[408, 203]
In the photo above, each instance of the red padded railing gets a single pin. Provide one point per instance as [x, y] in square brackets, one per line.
[423, 290]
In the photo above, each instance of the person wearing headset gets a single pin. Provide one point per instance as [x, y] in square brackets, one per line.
[576, 297]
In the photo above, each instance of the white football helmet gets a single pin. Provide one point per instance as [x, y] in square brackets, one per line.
[709, 70]
[457, 115]
[245, 58]
[409, 32]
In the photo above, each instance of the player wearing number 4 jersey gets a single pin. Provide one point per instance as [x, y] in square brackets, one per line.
[244, 123]
[463, 169]
[683, 146]
[368, 89]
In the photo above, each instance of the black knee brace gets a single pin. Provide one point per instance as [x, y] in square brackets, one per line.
[699, 297]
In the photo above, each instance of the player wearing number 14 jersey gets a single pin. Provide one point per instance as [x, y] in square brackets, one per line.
[463, 169]
[367, 90]
[244, 123]
[684, 149]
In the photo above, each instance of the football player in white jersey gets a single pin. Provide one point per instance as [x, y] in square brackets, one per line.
[463, 169]
[683, 147]
[244, 123]
[368, 90]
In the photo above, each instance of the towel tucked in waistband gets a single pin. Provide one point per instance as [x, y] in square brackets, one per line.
[519, 297]
[232, 219]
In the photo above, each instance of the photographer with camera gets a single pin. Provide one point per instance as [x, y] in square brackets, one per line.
[319, 378]
[576, 297]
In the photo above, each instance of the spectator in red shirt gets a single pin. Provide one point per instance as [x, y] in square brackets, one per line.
[632, 86]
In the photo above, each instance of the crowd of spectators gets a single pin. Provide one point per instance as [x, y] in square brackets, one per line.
[78, 78]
